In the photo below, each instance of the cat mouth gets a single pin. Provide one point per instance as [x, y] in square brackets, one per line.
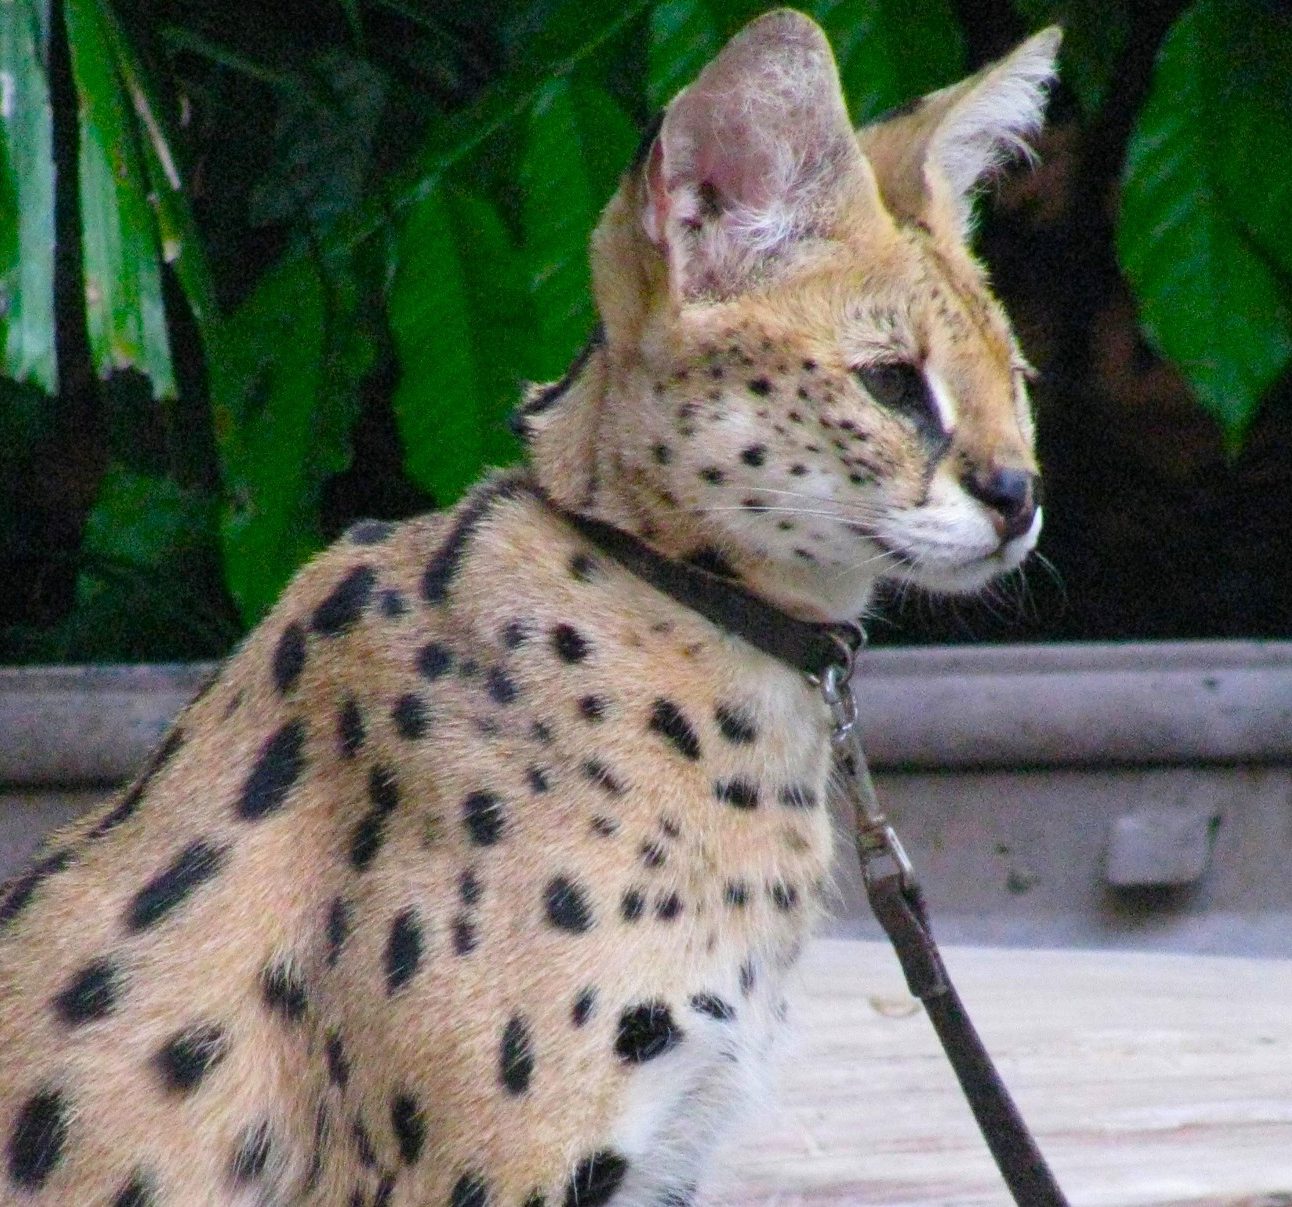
[934, 569]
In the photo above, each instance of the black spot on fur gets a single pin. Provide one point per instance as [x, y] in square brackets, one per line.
[350, 730]
[736, 894]
[368, 532]
[714, 1006]
[363, 1145]
[567, 906]
[604, 827]
[24, 887]
[403, 950]
[470, 1190]
[410, 716]
[736, 725]
[91, 994]
[784, 896]
[714, 561]
[595, 1179]
[338, 1067]
[366, 839]
[514, 634]
[645, 1032]
[189, 1055]
[797, 797]
[196, 864]
[383, 790]
[443, 567]
[289, 657]
[741, 794]
[434, 660]
[516, 1057]
[592, 708]
[251, 1154]
[601, 775]
[662, 454]
[760, 386]
[500, 686]
[678, 1196]
[668, 907]
[283, 989]
[541, 732]
[338, 929]
[569, 644]
[583, 1007]
[583, 566]
[138, 1192]
[385, 1189]
[748, 977]
[464, 935]
[713, 475]
[653, 855]
[754, 455]
[469, 888]
[36, 1142]
[631, 905]
[278, 766]
[667, 720]
[409, 1122]
[393, 603]
[537, 777]
[342, 608]
[537, 1199]
[484, 816]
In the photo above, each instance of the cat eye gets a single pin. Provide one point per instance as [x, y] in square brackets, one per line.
[898, 386]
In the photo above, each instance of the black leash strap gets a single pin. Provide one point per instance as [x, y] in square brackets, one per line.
[826, 653]
[899, 907]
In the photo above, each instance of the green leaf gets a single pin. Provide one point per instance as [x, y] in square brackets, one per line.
[323, 143]
[1209, 298]
[181, 245]
[459, 312]
[579, 142]
[1094, 35]
[285, 370]
[1253, 132]
[26, 197]
[123, 291]
[684, 36]
[142, 519]
[890, 51]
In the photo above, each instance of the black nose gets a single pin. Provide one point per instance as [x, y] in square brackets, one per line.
[1013, 494]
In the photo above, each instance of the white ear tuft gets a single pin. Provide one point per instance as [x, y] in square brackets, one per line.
[991, 118]
[749, 158]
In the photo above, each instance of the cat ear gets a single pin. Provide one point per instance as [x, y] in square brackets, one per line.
[753, 157]
[935, 156]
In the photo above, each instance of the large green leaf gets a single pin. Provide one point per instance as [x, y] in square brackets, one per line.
[123, 290]
[181, 244]
[1209, 299]
[459, 312]
[684, 36]
[1094, 34]
[27, 350]
[285, 369]
[579, 142]
[889, 50]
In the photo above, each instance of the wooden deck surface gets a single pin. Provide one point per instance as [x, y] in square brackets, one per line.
[1149, 1079]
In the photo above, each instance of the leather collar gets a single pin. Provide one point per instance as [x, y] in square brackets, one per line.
[803, 645]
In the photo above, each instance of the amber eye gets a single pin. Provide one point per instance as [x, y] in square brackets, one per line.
[900, 387]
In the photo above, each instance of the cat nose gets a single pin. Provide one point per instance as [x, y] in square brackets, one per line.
[1012, 494]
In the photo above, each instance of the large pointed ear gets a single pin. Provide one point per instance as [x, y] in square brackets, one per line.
[930, 160]
[752, 158]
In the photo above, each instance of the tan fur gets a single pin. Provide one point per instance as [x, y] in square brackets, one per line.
[668, 774]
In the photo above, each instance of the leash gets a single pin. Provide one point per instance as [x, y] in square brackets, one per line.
[898, 902]
[827, 655]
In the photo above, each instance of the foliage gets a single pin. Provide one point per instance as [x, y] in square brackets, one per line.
[394, 197]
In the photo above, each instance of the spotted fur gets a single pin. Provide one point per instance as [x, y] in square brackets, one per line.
[473, 879]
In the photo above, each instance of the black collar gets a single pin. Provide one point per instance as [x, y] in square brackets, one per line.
[801, 644]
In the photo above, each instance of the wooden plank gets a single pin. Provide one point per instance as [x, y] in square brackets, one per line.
[1148, 1079]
